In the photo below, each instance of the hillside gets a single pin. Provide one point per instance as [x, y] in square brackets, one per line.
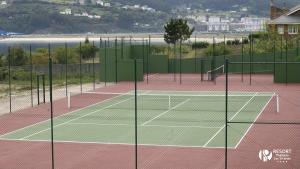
[43, 16]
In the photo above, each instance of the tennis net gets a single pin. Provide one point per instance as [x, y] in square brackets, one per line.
[213, 74]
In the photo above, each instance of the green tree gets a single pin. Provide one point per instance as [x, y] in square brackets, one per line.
[1, 60]
[87, 50]
[177, 30]
[18, 56]
[40, 56]
[59, 55]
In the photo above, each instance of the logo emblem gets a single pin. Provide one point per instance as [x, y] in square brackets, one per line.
[265, 155]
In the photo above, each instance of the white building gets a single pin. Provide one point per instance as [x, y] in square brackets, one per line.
[107, 4]
[67, 11]
[217, 27]
[99, 2]
[254, 24]
[214, 19]
[3, 3]
[81, 2]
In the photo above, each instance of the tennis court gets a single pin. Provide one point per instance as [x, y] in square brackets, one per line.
[164, 118]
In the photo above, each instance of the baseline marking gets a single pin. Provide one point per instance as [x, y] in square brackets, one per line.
[107, 143]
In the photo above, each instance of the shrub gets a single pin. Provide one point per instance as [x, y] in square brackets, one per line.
[18, 56]
[200, 45]
[219, 50]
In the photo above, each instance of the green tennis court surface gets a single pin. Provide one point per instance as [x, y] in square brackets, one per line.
[165, 118]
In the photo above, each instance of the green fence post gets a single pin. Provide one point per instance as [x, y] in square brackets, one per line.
[135, 115]
[51, 110]
[116, 59]
[44, 91]
[80, 64]
[174, 62]
[242, 59]
[297, 47]
[94, 74]
[251, 57]
[148, 49]
[195, 59]
[213, 64]
[180, 57]
[286, 60]
[281, 48]
[105, 45]
[31, 75]
[38, 88]
[224, 49]
[226, 113]
[143, 51]
[274, 59]
[169, 58]
[66, 58]
[9, 78]
[201, 68]
[122, 48]
[100, 47]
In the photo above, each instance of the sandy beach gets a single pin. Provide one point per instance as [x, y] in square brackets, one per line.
[155, 38]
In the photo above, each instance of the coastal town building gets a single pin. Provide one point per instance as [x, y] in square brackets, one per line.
[284, 21]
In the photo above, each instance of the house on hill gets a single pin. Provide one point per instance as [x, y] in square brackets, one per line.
[284, 21]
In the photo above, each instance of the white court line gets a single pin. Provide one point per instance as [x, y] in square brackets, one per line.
[262, 110]
[148, 125]
[165, 112]
[107, 143]
[229, 120]
[74, 111]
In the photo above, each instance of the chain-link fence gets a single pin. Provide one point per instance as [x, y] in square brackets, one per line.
[248, 118]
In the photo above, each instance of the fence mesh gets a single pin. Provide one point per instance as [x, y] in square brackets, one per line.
[127, 104]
